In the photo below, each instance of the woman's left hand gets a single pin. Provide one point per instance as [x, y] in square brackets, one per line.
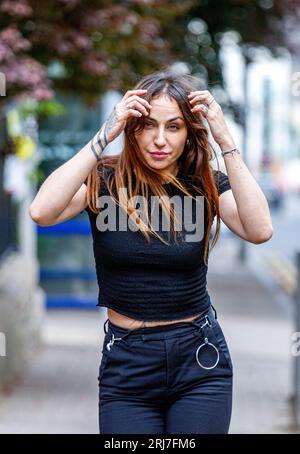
[202, 101]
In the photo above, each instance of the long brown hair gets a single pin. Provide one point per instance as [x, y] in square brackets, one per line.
[194, 161]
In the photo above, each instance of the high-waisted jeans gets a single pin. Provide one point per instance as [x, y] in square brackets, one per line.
[171, 379]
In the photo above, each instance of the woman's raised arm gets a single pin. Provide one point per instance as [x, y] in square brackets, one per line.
[63, 194]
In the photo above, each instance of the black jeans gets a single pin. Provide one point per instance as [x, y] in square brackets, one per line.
[156, 380]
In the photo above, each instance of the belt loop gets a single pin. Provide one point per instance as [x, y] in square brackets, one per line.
[104, 326]
[216, 317]
[114, 339]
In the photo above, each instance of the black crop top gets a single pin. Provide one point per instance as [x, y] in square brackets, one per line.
[151, 281]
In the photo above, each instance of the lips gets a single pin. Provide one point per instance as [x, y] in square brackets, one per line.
[159, 153]
[159, 156]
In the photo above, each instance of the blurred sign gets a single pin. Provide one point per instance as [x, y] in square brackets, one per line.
[2, 85]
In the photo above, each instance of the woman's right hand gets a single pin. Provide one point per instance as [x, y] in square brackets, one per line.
[131, 105]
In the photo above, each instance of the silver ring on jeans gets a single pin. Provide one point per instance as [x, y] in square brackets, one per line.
[203, 345]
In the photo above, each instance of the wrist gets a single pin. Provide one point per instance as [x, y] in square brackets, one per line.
[105, 135]
[99, 142]
[227, 144]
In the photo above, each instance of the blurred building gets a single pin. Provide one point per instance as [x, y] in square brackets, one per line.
[272, 133]
[21, 298]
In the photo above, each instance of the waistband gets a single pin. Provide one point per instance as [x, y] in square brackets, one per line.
[162, 331]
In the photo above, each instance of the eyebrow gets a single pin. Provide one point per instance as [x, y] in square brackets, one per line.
[168, 121]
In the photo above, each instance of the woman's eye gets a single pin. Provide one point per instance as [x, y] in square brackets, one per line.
[174, 127]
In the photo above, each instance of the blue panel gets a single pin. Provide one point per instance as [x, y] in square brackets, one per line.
[65, 301]
[71, 227]
[63, 274]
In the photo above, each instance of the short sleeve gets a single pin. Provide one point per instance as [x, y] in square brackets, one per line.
[103, 175]
[222, 181]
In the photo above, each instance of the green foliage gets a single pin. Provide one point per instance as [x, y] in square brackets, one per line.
[41, 109]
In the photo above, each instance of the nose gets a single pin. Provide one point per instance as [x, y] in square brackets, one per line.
[159, 138]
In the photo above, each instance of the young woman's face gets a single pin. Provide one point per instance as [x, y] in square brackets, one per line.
[165, 132]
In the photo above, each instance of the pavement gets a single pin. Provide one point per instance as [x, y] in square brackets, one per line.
[58, 392]
[257, 320]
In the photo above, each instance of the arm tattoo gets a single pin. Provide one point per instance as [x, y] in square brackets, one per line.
[107, 128]
[97, 143]
[111, 122]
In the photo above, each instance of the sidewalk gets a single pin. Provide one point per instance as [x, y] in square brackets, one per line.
[256, 318]
[59, 391]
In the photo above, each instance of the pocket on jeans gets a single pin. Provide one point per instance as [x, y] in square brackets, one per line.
[102, 367]
[222, 344]
[105, 342]
[105, 356]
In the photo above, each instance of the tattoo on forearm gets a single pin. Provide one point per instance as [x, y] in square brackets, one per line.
[98, 144]
[110, 124]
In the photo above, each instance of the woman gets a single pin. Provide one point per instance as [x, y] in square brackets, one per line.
[166, 367]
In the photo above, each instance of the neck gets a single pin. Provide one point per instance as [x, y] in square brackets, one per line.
[174, 172]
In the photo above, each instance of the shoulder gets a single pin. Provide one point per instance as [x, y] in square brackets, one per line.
[221, 181]
[104, 176]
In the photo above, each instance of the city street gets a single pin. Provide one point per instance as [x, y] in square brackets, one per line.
[273, 261]
[286, 223]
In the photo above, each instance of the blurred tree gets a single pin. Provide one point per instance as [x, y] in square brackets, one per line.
[255, 23]
[85, 46]
[89, 46]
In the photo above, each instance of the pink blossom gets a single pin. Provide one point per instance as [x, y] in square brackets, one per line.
[42, 93]
[18, 8]
[94, 66]
[69, 41]
[12, 38]
[5, 52]
[25, 75]
[150, 27]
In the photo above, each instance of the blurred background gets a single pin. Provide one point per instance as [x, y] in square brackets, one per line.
[63, 66]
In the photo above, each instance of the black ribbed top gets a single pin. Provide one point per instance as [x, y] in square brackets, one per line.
[152, 281]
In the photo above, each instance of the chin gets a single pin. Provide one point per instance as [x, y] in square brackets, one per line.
[157, 166]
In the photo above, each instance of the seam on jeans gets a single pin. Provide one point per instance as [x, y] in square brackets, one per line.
[223, 349]
[167, 365]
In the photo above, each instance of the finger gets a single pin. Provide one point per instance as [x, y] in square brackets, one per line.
[196, 99]
[135, 113]
[138, 106]
[134, 92]
[199, 92]
[202, 108]
[201, 97]
[141, 100]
